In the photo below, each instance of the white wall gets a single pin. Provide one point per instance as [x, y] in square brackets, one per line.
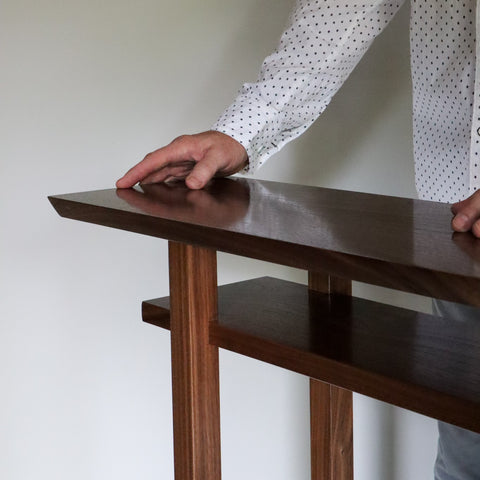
[86, 88]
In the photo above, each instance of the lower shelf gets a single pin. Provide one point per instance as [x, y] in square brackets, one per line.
[420, 362]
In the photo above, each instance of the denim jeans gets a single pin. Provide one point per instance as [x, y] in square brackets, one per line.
[458, 456]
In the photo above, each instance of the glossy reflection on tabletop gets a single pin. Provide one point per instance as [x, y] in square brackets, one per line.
[298, 221]
[219, 204]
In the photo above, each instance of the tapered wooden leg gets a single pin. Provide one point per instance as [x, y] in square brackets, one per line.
[196, 404]
[331, 412]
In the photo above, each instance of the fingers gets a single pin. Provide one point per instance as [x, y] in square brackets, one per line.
[177, 151]
[467, 215]
[195, 158]
[170, 172]
[476, 228]
[222, 156]
[151, 163]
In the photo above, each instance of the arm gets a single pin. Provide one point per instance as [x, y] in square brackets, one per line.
[320, 47]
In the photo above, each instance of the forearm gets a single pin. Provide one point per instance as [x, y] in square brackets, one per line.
[321, 46]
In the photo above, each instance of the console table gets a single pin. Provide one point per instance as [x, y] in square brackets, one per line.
[420, 362]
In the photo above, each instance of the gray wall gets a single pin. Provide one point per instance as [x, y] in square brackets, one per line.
[86, 89]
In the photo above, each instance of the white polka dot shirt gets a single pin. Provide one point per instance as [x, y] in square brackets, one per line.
[323, 43]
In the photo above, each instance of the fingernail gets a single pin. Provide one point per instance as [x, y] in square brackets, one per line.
[460, 222]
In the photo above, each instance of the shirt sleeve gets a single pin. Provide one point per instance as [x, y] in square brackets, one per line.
[322, 44]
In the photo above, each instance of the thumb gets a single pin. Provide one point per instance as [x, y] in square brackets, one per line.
[202, 173]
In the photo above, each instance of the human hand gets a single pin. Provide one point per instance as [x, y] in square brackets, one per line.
[467, 215]
[193, 158]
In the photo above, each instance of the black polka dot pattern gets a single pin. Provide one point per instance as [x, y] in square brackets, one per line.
[443, 71]
[320, 47]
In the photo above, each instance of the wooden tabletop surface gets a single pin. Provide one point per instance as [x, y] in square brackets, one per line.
[396, 242]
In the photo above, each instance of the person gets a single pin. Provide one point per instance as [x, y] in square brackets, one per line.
[322, 44]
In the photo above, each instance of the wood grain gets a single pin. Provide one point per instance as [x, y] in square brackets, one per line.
[416, 361]
[331, 408]
[393, 242]
[195, 381]
[331, 432]
[420, 362]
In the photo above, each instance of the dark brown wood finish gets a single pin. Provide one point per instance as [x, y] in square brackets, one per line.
[331, 407]
[331, 442]
[416, 361]
[394, 242]
[195, 381]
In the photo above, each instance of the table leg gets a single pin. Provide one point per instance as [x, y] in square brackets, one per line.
[195, 380]
[331, 413]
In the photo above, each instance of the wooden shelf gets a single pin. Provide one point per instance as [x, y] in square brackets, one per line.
[420, 362]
